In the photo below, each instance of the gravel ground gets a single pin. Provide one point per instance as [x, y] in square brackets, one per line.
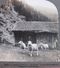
[9, 53]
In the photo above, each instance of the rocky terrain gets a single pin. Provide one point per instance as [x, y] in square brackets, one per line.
[8, 19]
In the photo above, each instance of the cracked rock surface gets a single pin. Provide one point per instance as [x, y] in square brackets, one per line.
[8, 20]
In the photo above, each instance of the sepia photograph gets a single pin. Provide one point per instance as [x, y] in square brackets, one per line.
[29, 31]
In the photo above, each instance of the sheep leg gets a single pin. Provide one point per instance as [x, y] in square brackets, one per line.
[31, 53]
[37, 52]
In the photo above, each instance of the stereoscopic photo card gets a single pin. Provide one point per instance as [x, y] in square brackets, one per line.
[29, 33]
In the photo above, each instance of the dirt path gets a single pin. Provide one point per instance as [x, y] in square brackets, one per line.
[16, 54]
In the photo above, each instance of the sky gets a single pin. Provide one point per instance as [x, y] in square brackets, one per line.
[42, 3]
[42, 6]
[56, 2]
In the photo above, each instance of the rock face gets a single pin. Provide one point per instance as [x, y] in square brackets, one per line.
[8, 19]
[37, 10]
